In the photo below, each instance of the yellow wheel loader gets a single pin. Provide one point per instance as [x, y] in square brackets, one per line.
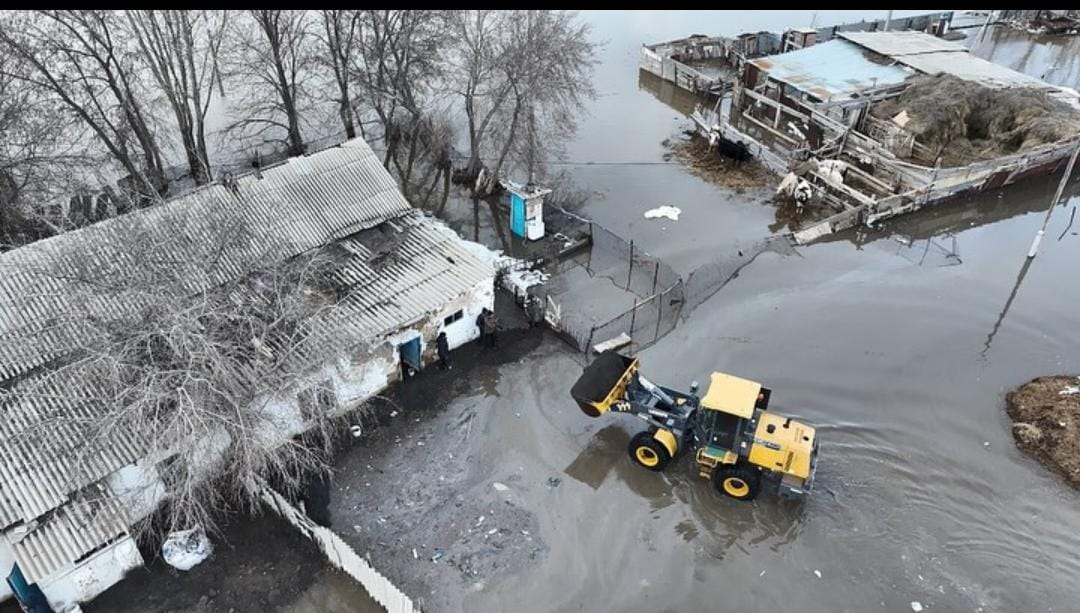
[736, 442]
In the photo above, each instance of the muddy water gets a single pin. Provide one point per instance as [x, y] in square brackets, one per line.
[898, 345]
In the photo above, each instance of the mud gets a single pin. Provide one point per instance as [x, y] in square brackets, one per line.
[258, 564]
[416, 496]
[693, 152]
[1046, 423]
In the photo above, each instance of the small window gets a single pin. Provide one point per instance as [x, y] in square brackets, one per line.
[452, 318]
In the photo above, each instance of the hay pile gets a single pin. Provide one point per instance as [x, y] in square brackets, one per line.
[969, 122]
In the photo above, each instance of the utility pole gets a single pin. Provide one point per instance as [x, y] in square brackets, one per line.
[1054, 202]
[887, 20]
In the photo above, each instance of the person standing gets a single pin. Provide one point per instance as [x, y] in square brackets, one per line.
[491, 323]
[481, 322]
[442, 347]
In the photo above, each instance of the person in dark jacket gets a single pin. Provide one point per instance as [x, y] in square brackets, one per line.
[481, 322]
[491, 323]
[442, 347]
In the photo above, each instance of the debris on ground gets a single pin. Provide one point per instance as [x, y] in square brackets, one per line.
[694, 153]
[553, 481]
[671, 212]
[500, 487]
[185, 549]
[1046, 423]
[916, 606]
[817, 573]
[967, 122]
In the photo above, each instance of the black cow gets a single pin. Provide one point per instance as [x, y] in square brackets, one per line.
[737, 151]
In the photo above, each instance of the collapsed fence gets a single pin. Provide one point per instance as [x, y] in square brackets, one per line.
[663, 296]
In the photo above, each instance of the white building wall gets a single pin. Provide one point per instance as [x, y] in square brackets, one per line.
[92, 576]
[139, 487]
[357, 377]
[7, 562]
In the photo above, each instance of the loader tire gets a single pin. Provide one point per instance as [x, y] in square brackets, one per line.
[648, 452]
[739, 482]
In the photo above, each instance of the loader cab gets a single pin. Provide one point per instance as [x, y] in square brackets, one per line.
[726, 407]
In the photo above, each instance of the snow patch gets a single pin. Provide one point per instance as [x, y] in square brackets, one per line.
[671, 212]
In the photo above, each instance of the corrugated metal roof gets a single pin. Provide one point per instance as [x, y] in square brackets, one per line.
[972, 68]
[73, 531]
[46, 450]
[292, 208]
[901, 42]
[831, 69]
[337, 199]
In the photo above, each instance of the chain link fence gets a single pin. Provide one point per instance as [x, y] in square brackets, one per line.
[664, 297]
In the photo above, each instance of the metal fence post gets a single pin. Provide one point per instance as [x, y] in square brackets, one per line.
[630, 266]
[659, 315]
[633, 318]
[588, 344]
[655, 276]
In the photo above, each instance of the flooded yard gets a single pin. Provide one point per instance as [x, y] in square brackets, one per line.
[899, 345]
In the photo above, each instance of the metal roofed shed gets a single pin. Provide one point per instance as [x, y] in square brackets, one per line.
[830, 70]
[893, 44]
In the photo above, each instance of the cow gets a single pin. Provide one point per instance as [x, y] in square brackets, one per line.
[737, 151]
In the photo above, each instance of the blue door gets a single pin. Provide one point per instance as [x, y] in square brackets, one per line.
[517, 215]
[410, 357]
[28, 595]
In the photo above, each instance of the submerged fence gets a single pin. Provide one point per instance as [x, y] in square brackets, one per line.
[664, 296]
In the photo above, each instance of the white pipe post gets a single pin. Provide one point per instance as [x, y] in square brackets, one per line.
[1053, 203]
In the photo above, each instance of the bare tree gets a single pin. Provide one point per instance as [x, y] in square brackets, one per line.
[399, 70]
[195, 378]
[273, 55]
[479, 51]
[341, 35]
[180, 48]
[521, 71]
[77, 57]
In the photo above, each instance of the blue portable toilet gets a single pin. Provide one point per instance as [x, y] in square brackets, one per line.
[526, 210]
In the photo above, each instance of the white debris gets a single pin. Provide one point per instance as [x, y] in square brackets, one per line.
[817, 573]
[916, 606]
[671, 212]
[356, 430]
[761, 574]
[480, 521]
[492, 531]
[500, 487]
[1070, 390]
[393, 413]
[986, 443]
[186, 548]
[414, 554]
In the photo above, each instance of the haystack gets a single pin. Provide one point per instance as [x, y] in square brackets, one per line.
[968, 122]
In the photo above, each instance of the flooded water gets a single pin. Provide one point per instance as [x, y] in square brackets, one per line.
[1055, 59]
[898, 345]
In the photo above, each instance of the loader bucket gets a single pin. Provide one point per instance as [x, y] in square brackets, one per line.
[603, 382]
